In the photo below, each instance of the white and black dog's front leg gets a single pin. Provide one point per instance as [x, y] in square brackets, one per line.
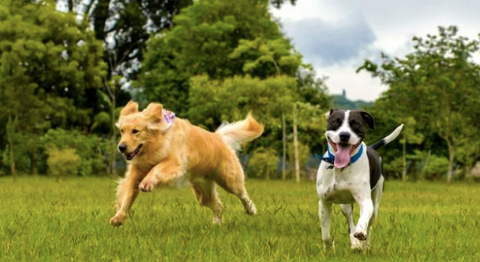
[325, 210]
[364, 200]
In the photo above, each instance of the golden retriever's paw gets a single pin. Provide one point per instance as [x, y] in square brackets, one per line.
[117, 221]
[147, 185]
[251, 210]
[217, 221]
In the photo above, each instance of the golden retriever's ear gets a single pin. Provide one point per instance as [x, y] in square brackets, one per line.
[153, 112]
[130, 108]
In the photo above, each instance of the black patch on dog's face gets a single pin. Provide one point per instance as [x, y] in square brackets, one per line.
[357, 121]
[335, 119]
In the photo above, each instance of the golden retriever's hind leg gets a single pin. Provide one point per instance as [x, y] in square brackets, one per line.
[233, 181]
[206, 194]
[248, 203]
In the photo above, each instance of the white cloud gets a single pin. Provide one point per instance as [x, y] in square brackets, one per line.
[325, 43]
[360, 29]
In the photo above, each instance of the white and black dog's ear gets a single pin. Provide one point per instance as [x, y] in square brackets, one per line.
[368, 119]
[327, 115]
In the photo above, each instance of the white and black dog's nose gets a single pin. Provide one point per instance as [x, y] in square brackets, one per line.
[344, 136]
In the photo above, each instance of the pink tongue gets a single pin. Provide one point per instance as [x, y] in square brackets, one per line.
[342, 157]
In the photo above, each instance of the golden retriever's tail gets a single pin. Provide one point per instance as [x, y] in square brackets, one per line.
[238, 133]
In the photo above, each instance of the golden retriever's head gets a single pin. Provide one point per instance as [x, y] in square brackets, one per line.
[139, 129]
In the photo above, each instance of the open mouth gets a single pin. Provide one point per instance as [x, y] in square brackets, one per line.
[351, 148]
[131, 155]
[342, 152]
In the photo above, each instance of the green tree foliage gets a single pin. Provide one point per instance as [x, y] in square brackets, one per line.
[220, 39]
[48, 62]
[125, 26]
[212, 102]
[437, 85]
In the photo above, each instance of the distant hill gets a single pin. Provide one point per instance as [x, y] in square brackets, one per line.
[341, 101]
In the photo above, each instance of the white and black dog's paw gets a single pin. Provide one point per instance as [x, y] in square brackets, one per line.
[360, 235]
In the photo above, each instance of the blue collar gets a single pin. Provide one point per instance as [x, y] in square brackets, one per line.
[330, 158]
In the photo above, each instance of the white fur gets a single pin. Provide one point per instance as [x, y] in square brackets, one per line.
[393, 135]
[237, 133]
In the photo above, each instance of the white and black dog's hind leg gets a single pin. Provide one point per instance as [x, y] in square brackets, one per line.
[325, 210]
[377, 193]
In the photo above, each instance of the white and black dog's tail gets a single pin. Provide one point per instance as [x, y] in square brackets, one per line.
[388, 138]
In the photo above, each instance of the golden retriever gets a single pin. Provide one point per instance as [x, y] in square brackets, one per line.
[162, 149]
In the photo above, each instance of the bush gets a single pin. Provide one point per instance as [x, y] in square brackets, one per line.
[63, 162]
[264, 162]
[393, 169]
[88, 148]
[436, 168]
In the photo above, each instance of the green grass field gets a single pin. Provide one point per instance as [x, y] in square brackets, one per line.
[45, 220]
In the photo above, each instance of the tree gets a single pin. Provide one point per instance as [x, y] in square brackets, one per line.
[216, 38]
[437, 84]
[48, 63]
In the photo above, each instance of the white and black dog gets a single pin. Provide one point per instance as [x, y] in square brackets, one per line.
[350, 172]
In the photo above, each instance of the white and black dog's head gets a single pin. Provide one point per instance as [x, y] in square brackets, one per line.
[345, 132]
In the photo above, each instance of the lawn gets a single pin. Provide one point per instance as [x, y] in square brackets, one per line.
[45, 220]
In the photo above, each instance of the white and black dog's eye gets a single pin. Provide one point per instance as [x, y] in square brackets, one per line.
[354, 123]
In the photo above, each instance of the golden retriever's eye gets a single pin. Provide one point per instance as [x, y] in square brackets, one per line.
[134, 131]
[121, 130]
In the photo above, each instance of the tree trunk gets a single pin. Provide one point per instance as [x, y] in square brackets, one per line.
[426, 162]
[284, 140]
[451, 160]
[404, 172]
[295, 144]
[12, 162]
[33, 165]
[113, 169]
[71, 5]
[100, 16]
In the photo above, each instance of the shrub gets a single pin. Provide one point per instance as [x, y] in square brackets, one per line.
[393, 169]
[264, 162]
[88, 148]
[436, 168]
[63, 162]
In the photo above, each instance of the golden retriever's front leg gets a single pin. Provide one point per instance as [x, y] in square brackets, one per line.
[161, 174]
[126, 193]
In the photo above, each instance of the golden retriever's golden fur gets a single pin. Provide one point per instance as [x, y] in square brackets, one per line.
[160, 155]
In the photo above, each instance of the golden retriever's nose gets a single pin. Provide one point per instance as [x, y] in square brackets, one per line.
[122, 148]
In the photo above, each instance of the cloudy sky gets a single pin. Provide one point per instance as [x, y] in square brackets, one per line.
[336, 36]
